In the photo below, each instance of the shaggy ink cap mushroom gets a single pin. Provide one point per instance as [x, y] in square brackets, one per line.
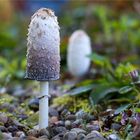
[79, 48]
[43, 54]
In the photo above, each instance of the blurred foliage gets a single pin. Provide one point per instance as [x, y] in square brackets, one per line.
[116, 48]
[115, 41]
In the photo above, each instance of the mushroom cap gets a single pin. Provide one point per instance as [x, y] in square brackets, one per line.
[78, 48]
[43, 52]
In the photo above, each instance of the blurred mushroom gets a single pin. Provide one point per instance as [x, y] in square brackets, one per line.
[43, 58]
[78, 49]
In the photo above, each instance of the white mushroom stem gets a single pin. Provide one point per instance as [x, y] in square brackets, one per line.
[43, 105]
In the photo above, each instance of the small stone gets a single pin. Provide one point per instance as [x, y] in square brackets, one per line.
[70, 136]
[56, 138]
[53, 119]
[65, 113]
[44, 132]
[31, 138]
[91, 118]
[33, 132]
[20, 134]
[71, 117]
[76, 123]
[81, 136]
[68, 124]
[60, 109]
[16, 138]
[94, 135]
[34, 104]
[58, 130]
[7, 136]
[53, 112]
[18, 91]
[78, 130]
[116, 126]
[113, 137]
[60, 123]
[12, 128]
[3, 118]
[92, 127]
[36, 127]
[43, 137]
[81, 114]
[3, 129]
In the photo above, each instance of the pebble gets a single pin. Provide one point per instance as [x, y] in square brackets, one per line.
[43, 137]
[81, 136]
[60, 108]
[78, 130]
[7, 136]
[16, 138]
[3, 129]
[18, 91]
[36, 127]
[94, 135]
[53, 112]
[20, 134]
[76, 123]
[31, 138]
[68, 124]
[80, 114]
[70, 136]
[65, 113]
[33, 132]
[92, 127]
[53, 119]
[12, 128]
[60, 123]
[71, 117]
[113, 137]
[43, 132]
[58, 130]
[116, 126]
[57, 137]
[3, 118]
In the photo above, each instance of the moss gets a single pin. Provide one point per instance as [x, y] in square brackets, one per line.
[5, 98]
[73, 103]
[32, 119]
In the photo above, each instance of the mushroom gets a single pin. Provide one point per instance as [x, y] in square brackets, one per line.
[43, 56]
[78, 49]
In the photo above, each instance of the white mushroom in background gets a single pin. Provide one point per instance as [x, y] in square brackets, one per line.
[79, 48]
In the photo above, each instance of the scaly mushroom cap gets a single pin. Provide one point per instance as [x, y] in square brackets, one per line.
[43, 54]
[78, 49]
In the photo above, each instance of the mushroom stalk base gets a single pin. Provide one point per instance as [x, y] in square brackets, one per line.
[43, 105]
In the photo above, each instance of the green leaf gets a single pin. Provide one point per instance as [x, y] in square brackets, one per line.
[137, 110]
[122, 108]
[101, 92]
[125, 89]
[98, 59]
[81, 90]
[124, 69]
